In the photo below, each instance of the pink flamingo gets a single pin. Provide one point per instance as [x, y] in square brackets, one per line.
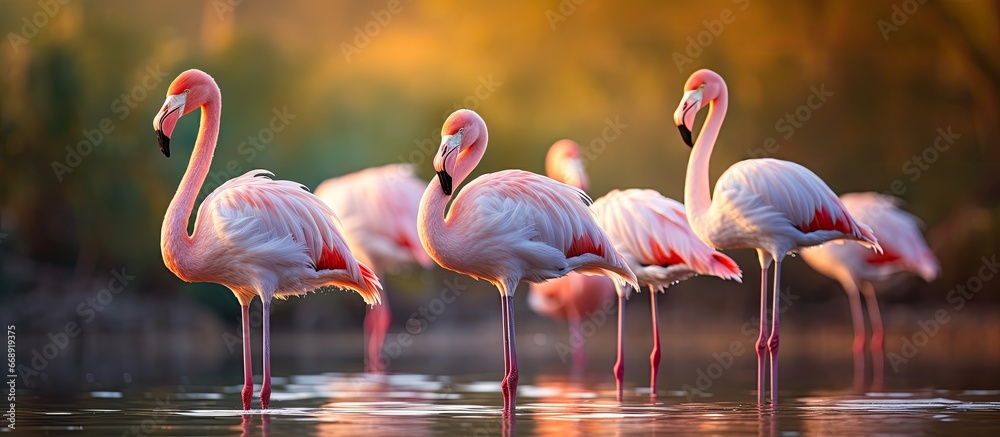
[254, 235]
[508, 227]
[774, 206]
[653, 235]
[378, 215]
[575, 296]
[855, 267]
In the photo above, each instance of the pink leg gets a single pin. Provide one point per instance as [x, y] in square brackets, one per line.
[377, 320]
[772, 341]
[878, 336]
[509, 384]
[247, 366]
[620, 364]
[506, 353]
[654, 357]
[761, 344]
[858, 346]
[579, 358]
[265, 389]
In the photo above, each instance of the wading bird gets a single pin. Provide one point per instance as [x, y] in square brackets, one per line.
[254, 235]
[652, 234]
[773, 206]
[576, 296]
[377, 208]
[856, 268]
[507, 227]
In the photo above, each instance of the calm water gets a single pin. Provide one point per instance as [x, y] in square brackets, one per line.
[409, 404]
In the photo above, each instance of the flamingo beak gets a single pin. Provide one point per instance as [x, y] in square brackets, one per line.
[446, 181]
[686, 112]
[686, 135]
[166, 119]
[446, 158]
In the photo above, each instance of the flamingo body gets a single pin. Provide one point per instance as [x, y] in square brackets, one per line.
[252, 234]
[652, 234]
[774, 206]
[857, 268]
[378, 216]
[508, 227]
[575, 296]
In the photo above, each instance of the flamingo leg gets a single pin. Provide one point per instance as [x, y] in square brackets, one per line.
[506, 354]
[878, 336]
[858, 347]
[247, 366]
[265, 389]
[620, 364]
[761, 345]
[377, 320]
[654, 356]
[579, 358]
[575, 329]
[772, 341]
[509, 384]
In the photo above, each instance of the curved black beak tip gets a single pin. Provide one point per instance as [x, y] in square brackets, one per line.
[445, 179]
[164, 142]
[686, 135]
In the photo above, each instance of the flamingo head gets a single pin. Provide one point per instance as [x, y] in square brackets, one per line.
[702, 87]
[192, 89]
[463, 142]
[564, 163]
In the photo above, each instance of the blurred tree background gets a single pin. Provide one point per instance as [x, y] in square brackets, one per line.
[370, 83]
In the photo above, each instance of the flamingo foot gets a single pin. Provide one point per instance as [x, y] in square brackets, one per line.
[247, 395]
[509, 389]
[265, 396]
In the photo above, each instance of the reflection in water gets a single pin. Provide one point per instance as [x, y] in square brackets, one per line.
[422, 405]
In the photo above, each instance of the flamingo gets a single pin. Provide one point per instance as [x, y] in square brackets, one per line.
[378, 215]
[776, 207]
[255, 235]
[507, 227]
[856, 268]
[574, 296]
[652, 233]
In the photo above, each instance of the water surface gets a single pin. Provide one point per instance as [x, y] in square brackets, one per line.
[414, 404]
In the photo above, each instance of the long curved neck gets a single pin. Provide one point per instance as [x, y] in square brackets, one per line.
[697, 198]
[434, 231]
[175, 242]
